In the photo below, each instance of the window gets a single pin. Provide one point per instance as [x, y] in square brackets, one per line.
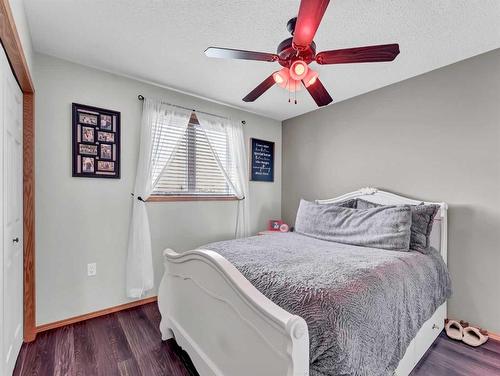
[193, 172]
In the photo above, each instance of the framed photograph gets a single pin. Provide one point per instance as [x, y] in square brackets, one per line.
[88, 165]
[261, 160]
[96, 142]
[274, 224]
[87, 149]
[106, 166]
[106, 122]
[106, 151]
[85, 118]
[105, 137]
[87, 134]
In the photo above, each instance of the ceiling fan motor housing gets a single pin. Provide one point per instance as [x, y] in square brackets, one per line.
[287, 54]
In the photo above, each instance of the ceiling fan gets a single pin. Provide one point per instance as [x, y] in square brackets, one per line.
[296, 53]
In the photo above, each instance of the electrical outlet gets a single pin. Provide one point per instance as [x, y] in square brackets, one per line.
[91, 269]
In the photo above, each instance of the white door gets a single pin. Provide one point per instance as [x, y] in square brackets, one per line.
[11, 169]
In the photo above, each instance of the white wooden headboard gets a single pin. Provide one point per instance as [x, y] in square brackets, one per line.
[439, 234]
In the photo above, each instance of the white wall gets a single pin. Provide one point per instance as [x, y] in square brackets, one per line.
[434, 137]
[19, 14]
[81, 220]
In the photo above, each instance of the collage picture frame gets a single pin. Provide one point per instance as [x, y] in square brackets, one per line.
[96, 142]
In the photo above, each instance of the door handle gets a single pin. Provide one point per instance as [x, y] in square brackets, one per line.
[16, 240]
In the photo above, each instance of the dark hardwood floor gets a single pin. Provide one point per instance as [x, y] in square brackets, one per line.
[449, 357]
[128, 343]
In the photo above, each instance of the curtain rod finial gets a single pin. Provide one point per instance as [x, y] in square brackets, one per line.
[140, 97]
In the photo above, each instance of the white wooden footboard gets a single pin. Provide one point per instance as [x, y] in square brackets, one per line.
[224, 323]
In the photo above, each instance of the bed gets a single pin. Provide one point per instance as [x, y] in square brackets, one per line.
[226, 307]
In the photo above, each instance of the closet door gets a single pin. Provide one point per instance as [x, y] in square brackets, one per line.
[12, 207]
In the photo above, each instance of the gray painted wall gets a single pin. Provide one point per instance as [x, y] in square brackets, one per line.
[80, 220]
[433, 137]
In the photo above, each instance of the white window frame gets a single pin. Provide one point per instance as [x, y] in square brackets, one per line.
[156, 197]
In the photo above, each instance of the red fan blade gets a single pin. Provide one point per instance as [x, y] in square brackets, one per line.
[319, 93]
[260, 89]
[229, 53]
[310, 15]
[369, 54]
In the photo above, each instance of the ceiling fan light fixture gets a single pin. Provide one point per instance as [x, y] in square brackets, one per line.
[281, 77]
[310, 78]
[298, 70]
[277, 78]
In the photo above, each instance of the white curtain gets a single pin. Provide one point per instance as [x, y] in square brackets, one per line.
[238, 180]
[157, 119]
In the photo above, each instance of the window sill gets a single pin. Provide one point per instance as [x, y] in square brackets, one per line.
[161, 198]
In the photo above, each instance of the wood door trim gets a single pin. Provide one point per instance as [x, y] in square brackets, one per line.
[17, 60]
[29, 216]
[92, 315]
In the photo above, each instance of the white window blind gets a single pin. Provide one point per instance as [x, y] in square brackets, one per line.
[193, 170]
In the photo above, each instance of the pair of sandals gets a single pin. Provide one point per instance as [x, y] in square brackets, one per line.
[461, 331]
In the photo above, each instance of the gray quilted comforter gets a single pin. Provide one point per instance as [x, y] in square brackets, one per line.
[362, 305]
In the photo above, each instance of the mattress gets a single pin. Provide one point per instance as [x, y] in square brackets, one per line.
[362, 305]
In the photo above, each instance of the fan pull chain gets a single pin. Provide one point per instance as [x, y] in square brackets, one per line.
[288, 85]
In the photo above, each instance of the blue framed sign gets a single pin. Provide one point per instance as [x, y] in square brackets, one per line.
[262, 160]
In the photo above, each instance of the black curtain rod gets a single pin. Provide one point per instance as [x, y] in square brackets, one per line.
[141, 98]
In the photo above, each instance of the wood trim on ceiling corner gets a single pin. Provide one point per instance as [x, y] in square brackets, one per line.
[93, 315]
[17, 60]
[13, 48]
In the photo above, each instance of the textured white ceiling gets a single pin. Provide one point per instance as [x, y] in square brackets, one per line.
[163, 41]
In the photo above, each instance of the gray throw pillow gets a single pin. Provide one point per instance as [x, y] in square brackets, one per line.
[421, 227]
[386, 227]
[363, 204]
[345, 204]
